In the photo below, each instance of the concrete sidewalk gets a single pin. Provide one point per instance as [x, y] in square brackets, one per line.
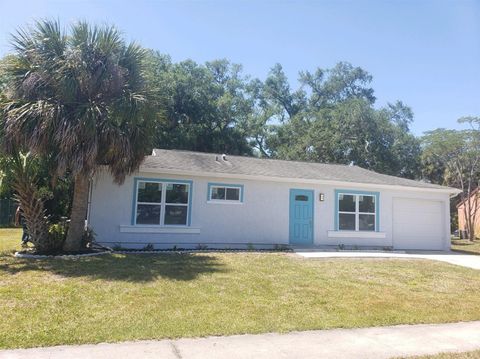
[379, 342]
[464, 260]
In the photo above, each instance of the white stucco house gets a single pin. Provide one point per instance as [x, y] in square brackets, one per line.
[190, 199]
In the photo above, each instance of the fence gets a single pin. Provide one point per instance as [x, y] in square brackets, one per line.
[7, 212]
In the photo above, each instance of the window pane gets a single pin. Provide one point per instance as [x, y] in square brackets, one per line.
[366, 222]
[301, 198]
[177, 193]
[346, 221]
[149, 192]
[218, 192]
[176, 214]
[233, 194]
[148, 214]
[346, 203]
[366, 204]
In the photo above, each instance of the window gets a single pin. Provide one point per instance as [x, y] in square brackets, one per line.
[162, 203]
[357, 211]
[301, 198]
[225, 193]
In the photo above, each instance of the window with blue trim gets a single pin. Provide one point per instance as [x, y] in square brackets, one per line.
[162, 203]
[225, 193]
[357, 211]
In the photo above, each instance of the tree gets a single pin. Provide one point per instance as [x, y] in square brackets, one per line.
[452, 158]
[31, 200]
[79, 98]
[331, 119]
[206, 106]
[341, 83]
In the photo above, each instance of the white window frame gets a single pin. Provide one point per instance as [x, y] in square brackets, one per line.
[357, 212]
[163, 203]
[211, 186]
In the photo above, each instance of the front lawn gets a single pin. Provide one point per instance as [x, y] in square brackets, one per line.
[127, 297]
[10, 239]
[464, 245]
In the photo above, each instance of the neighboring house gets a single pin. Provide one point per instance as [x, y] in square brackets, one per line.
[469, 207]
[192, 199]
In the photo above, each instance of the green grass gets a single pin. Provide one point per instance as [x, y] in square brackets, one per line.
[127, 297]
[466, 246]
[10, 239]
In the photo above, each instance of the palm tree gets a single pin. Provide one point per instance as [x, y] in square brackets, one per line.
[31, 201]
[81, 99]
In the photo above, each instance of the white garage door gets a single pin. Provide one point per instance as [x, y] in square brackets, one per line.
[417, 224]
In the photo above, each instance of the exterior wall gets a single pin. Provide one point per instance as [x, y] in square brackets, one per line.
[461, 214]
[261, 220]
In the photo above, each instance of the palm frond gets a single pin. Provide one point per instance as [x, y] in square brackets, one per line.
[81, 98]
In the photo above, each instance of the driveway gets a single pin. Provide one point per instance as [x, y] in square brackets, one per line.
[379, 342]
[464, 260]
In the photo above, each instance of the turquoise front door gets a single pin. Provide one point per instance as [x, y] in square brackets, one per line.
[301, 216]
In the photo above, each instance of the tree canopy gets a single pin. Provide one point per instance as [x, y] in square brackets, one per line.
[330, 117]
[78, 99]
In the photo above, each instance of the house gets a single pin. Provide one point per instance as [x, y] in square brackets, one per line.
[191, 199]
[469, 207]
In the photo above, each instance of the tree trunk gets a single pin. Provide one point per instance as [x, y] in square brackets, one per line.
[76, 229]
[31, 203]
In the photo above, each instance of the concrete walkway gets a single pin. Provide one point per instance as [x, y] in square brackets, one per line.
[464, 260]
[380, 342]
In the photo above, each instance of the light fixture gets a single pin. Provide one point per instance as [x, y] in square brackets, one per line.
[321, 197]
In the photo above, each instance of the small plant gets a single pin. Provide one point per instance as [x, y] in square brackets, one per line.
[280, 247]
[174, 247]
[341, 247]
[149, 247]
[88, 238]
[117, 247]
[56, 234]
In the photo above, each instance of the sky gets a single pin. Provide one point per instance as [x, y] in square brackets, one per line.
[425, 53]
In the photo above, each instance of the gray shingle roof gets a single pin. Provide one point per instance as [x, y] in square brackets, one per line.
[200, 162]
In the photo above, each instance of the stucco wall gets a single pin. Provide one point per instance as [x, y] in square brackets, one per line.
[474, 212]
[262, 218]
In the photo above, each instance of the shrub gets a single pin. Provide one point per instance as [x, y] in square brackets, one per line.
[280, 247]
[117, 247]
[88, 238]
[148, 247]
[56, 236]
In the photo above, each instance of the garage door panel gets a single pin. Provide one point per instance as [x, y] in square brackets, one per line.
[419, 210]
[423, 230]
[427, 218]
[417, 224]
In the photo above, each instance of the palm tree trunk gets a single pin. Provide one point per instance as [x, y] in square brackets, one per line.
[31, 203]
[76, 229]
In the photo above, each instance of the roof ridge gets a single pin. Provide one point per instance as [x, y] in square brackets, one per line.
[261, 158]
